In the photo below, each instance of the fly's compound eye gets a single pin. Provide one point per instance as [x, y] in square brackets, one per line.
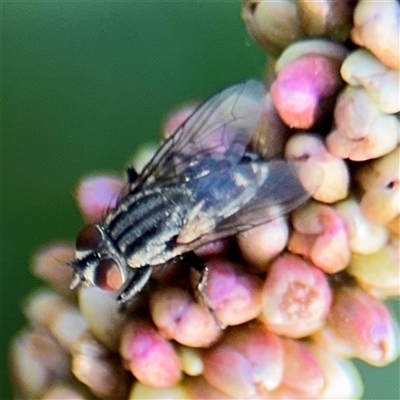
[89, 238]
[107, 275]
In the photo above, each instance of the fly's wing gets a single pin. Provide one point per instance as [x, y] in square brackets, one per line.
[222, 125]
[279, 193]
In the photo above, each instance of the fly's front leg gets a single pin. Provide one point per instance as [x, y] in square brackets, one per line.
[197, 264]
[132, 175]
[135, 284]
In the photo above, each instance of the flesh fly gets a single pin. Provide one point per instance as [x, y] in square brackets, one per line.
[203, 184]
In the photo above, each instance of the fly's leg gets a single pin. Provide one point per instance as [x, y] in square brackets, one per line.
[135, 284]
[131, 174]
[197, 264]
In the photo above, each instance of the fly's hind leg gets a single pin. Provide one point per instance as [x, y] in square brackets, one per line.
[135, 284]
[197, 264]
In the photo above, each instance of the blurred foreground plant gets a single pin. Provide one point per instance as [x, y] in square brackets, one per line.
[302, 296]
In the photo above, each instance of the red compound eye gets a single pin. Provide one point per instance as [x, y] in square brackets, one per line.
[108, 275]
[88, 238]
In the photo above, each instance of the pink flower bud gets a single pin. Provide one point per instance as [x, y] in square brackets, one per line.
[365, 324]
[247, 360]
[260, 245]
[327, 338]
[304, 88]
[363, 131]
[232, 294]
[296, 297]
[327, 173]
[175, 119]
[149, 356]
[301, 371]
[320, 234]
[229, 371]
[97, 194]
[361, 68]
[377, 27]
[178, 316]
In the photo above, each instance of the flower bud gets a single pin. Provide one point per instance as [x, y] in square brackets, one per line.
[272, 24]
[233, 294]
[50, 265]
[320, 234]
[142, 156]
[37, 361]
[98, 368]
[142, 391]
[363, 131]
[63, 321]
[381, 83]
[342, 380]
[65, 392]
[296, 297]
[178, 316]
[380, 179]
[191, 361]
[175, 119]
[271, 134]
[261, 244]
[363, 237]
[200, 389]
[301, 371]
[330, 18]
[322, 47]
[328, 339]
[378, 273]
[394, 226]
[303, 90]
[103, 315]
[377, 27]
[246, 360]
[96, 194]
[333, 185]
[150, 357]
[365, 324]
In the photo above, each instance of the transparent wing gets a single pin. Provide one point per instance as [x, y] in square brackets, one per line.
[222, 125]
[281, 192]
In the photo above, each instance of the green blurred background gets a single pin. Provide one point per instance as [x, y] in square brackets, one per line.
[85, 83]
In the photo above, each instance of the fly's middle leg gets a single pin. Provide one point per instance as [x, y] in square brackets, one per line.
[196, 263]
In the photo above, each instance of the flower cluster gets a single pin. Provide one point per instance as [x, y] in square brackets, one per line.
[304, 293]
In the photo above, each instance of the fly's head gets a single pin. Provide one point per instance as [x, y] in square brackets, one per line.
[96, 261]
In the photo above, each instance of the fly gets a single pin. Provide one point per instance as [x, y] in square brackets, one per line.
[203, 184]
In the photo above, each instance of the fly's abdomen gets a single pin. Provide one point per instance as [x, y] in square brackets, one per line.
[144, 224]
